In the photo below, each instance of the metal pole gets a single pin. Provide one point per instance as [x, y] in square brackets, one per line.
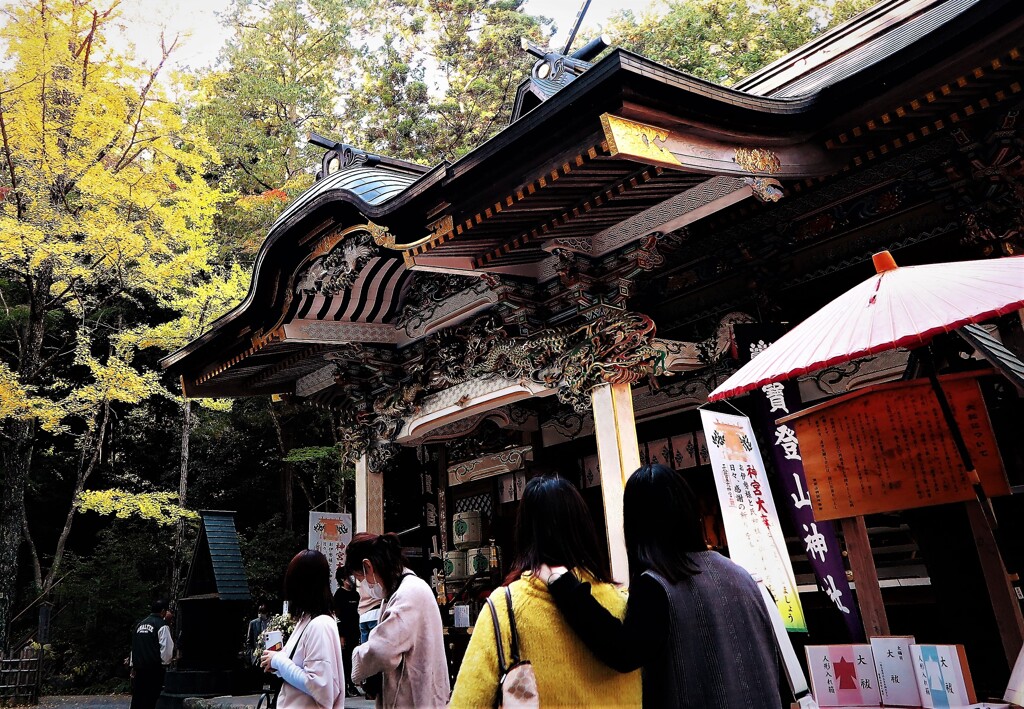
[576, 26]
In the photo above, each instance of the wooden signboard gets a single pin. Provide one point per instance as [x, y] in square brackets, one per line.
[506, 461]
[888, 448]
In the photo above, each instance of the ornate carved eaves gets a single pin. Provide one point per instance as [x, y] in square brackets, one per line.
[848, 376]
[466, 400]
[511, 418]
[688, 356]
[581, 245]
[648, 404]
[316, 381]
[432, 316]
[505, 461]
[766, 189]
[688, 206]
[680, 150]
[331, 331]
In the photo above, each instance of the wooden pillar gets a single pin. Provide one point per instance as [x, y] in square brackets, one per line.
[619, 455]
[369, 498]
[862, 563]
[1000, 590]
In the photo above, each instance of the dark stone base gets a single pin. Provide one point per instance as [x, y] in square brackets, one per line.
[182, 684]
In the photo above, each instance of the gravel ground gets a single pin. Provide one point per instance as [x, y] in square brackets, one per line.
[92, 701]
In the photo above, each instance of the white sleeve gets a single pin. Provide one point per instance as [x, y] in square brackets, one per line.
[166, 645]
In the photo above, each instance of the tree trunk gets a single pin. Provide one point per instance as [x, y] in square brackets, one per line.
[16, 455]
[37, 570]
[287, 473]
[17, 461]
[179, 532]
[84, 471]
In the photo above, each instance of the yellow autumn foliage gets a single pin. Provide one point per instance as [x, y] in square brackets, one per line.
[158, 507]
[102, 203]
[17, 402]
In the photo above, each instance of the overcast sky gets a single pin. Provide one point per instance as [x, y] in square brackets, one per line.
[202, 34]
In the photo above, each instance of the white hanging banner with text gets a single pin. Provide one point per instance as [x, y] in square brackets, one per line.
[751, 522]
[330, 534]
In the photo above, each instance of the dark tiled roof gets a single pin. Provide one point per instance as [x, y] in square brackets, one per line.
[883, 33]
[1008, 364]
[367, 185]
[228, 570]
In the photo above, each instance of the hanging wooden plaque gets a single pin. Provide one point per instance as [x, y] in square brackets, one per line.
[887, 447]
[506, 461]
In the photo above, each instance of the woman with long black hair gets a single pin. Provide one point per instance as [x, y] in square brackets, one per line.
[554, 527]
[696, 623]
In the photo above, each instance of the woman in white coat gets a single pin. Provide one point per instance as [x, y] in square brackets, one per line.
[310, 662]
[407, 646]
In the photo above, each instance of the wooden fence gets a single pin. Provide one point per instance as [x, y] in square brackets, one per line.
[21, 677]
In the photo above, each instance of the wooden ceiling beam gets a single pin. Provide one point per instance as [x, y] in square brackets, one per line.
[591, 205]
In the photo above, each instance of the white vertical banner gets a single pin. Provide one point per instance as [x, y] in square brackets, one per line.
[1015, 690]
[330, 534]
[751, 521]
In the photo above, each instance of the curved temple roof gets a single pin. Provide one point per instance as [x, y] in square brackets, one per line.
[627, 148]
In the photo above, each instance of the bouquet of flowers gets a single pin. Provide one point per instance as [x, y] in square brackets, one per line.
[283, 623]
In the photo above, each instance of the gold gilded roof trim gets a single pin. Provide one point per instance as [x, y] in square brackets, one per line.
[636, 140]
[758, 160]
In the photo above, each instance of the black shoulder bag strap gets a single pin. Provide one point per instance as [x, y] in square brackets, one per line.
[502, 667]
[291, 655]
[514, 644]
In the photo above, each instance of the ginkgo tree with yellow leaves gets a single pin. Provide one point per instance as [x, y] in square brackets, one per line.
[104, 218]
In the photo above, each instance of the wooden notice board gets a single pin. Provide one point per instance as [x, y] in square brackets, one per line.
[887, 447]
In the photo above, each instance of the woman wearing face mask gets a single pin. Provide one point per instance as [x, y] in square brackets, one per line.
[407, 646]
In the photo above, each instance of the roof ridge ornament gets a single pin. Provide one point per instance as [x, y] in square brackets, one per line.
[766, 189]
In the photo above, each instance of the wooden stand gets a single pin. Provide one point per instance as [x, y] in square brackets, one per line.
[619, 455]
[1000, 590]
[862, 563]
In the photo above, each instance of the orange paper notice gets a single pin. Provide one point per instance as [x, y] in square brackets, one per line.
[888, 448]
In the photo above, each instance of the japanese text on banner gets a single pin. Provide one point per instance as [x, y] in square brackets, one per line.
[748, 511]
[330, 534]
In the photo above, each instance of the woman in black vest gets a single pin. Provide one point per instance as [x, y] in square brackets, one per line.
[696, 623]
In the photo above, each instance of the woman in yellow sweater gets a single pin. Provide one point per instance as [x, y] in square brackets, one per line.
[554, 527]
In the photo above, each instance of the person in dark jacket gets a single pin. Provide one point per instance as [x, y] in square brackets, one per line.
[346, 609]
[257, 626]
[152, 649]
[696, 622]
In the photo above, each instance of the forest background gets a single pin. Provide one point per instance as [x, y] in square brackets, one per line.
[133, 201]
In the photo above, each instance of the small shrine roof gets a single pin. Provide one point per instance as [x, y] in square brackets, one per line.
[217, 570]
